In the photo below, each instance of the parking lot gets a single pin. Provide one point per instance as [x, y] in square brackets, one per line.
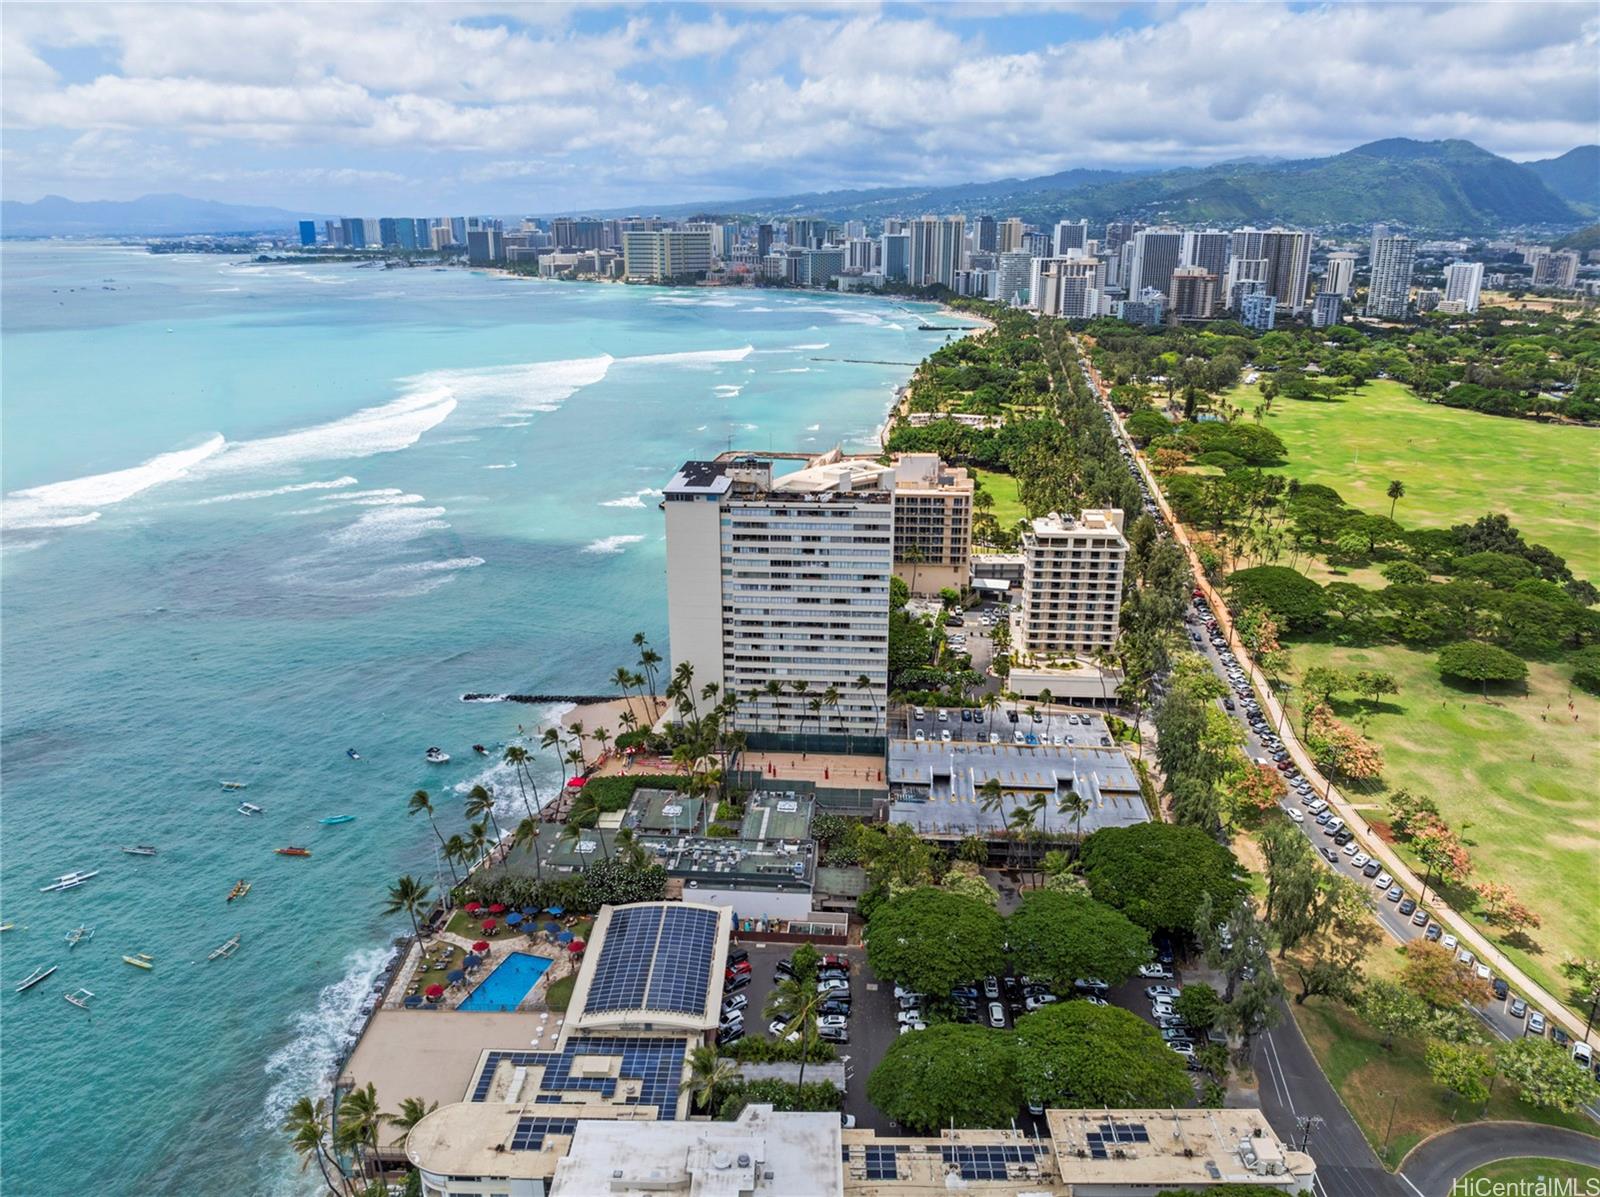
[1059, 725]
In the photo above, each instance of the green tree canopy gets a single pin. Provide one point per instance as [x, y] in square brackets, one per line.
[932, 939]
[1545, 1074]
[950, 1073]
[1198, 1005]
[1482, 663]
[1293, 599]
[1075, 1054]
[1063, 936]
[1157, 873]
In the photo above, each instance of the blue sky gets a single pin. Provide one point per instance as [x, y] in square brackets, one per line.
[430, 109]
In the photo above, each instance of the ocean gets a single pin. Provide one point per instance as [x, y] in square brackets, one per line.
[256, 515]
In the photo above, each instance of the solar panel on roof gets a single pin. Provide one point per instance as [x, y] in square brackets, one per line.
[680, 968]
[623, 970]
[882, 1162]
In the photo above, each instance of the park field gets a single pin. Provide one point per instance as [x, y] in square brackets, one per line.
[1456, 465]
[1514, 773]
[1007, 509]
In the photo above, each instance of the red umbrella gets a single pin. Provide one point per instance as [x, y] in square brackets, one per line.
[489, 924]
[481, 946]
[576, 783]
[434, 991]
[575, 946]
[497, 908]
[473, 907]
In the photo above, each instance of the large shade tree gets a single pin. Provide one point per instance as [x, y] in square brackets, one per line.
[1157, 873]
[948, 1075]
[1075, 1054]
[1064, 936]
[931, 939]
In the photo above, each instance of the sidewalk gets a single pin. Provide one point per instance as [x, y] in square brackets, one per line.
[1371, 843]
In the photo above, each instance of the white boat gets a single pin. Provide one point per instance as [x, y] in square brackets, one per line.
[80, 998]
[234, 785]
[436, 756]
[249, 808]
[225, 950]
[33, 978]
[139, 849]
[79, 935]
[68, 881]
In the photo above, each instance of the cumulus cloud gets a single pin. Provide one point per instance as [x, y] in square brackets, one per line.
[748, 99]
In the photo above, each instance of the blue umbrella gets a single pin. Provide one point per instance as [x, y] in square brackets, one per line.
[557, 910]
[454, 975]
[564, 937]
[411, 1001]
[513, 919]
[552, 927]
[472, 961]
[529, 912]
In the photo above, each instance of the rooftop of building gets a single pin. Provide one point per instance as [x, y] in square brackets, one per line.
[701, 477]
[652, 965]
[664, 812]
[777, 815]
[746, 863]
[1106, 522]
[980, 1160]
[1171, 1147]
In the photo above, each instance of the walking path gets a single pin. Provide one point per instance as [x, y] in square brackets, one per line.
[1371, 843]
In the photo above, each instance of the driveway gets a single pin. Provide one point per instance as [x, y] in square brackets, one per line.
[1435, 1164]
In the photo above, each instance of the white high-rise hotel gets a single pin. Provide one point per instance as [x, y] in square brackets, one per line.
[1072, 574]
[777, 582]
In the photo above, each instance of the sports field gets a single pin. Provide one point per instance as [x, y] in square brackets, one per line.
[1456, 465]
[1007, 509]
[1516, 771]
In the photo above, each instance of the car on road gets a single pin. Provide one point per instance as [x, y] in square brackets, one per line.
[901, 991]
[1156, 992]
[1535, 1023]
[1518, 1008]
[997, 1015]
[1330, 855]
[1383, 881]
[1090, 985]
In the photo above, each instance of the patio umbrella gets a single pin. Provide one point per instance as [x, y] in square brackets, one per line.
[513, 919]
[489, 925]
[434, 991]
[454, 975]
[552, 927]
[481, 946]
[473, 907]
[471, 961]
[565, 937]
[576, 946]
[558, 911]
[530, 912]
[576, 783]
[411, 1001]
[497, 908]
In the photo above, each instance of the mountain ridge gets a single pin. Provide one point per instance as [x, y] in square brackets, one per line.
[159, 214]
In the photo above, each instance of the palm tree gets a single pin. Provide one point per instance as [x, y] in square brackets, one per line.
[602, 737]
[421, 802]
[410, 895]
[552, 740]
[622, 680]
[478, 840]
[457, 849]
[991, 704]
[412, 1111]
[815, 707]
[306, 1124]
[708, 1072]
[577, 730]
[481, 802]
[1396, 492]
[831, 697]
[358, 1118]
[527, 833]
[517, 757]
[800, 687]
[650, 662]
[575, 757]
[1020, 824]
[775, 692]
[630, 851]
[864, 684]
[573, 833]
[1074, 804]
[991, 796]
[913, 557]
[1036, 808]
[796, 1004]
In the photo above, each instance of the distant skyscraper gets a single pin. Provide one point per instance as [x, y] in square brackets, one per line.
[458, 230]
[389, 232]
[1462, 282]
[1118, 233]
[1011, 277]
[355, 232]
[1258, 311]
[308, 232]
[1208, 248]
[1288, 255]
[1070, 235]
[1193, 293]
[485, 247]
[1341, 274]
[1009, 235]
[763, 240]
[1156, 254]
[1326, 309]
[987, 235]
[1389, 288]
[1557, 270]
[894, 256]
[807, 233]
[937, 250]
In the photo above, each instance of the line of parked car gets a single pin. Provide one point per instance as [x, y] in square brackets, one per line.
[833, 1011]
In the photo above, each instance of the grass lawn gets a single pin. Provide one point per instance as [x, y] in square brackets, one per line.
[1456, 465]
[557, 994]
[1532, 823]
[1529, 1169]
[1389, 1092]
[1007, 509]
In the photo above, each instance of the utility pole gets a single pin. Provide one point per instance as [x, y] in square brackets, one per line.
[1389, 1129]
[1306, 1124]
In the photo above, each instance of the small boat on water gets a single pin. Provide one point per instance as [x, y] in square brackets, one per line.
[239, 890]
[352, 754]
[79, 935]
[68, 881]
[139, 849]
[80, 998]
[436, 756]
[37, 975]
[234, 785]
[249, 808]
[331, 820]
[8, 926]
[140, 960]
[292, 851]
[226, 950]
[480, 750]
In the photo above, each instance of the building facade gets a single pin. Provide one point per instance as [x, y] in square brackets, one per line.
[654, 255]
[1340, 276]
[932, 523]
[1463, 281]
[1326, 309]
[1389, 289]
[1194, 293]
[1071, 584]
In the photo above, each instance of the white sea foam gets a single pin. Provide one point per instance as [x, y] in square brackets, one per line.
[693, 357]
[813, 427]
[79, 499]
[503, 465]
[636, 499]
[499, 394]
[794, 370]
[814, 345]
[388, 526]
[611, 544]
[293, 488]
[728, 390]
[386, 428]
[401, 500]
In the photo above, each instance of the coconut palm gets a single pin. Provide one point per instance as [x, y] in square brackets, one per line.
[602, 737]
[478, 840]
[551, 739]
[650, 662]
[1396, 492]
[864, 684]
[708, 1073]
[420, 802]
[412, 1111]
[410, 895]
[623, 680]
[481, 802]
[517, 757]
[573, 834]
[796, 1004]
[815, 707]
[357, 1119]
[306, 1124]
[526, 834]
[831, 696]
[991, 796]
[630, 851]
[775, 692]
[577, 730]
[456, 850]
[1074, 804]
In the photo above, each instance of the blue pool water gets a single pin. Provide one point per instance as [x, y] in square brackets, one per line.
[505, 988]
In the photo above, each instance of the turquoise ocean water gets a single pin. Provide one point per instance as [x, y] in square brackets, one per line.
[254, 516]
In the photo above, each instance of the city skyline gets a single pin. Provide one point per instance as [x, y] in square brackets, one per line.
[393, 106]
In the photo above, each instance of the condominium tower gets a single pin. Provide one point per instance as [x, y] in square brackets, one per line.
[938, 250]
[1072, 571]
[1341, 275]
[932, 523]
[1389, 290]
[1462, 283]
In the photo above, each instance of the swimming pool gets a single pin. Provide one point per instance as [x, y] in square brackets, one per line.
[512, 980]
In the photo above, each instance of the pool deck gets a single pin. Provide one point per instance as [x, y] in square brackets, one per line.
[561, 964]
[434, 1055]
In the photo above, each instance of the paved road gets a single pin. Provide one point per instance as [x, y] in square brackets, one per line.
[1433, 1165]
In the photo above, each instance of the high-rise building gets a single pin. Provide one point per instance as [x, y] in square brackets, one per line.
[784, 581]
[1389, 287]
[355, 232]
[333, 232]
[458, 230]
[1258, 311]
[1118, 233]
[1243, 270]
[1072, 570]
[1149, 309]
[932, 523]
[895, 256]
[1326, 309]
[1462, 283]
[1070, 235]
[372, 235]
[567, 232]
[308, 233]
[1194, 293]
[389, 232]
[1556, 270]
[819, 267]
[987, 235]
[807, 233]
[1341, 274]
[1208, 248]
[938, 250]
[1067, 287]
[656, 255]
[1012, 278]
[1008, 237]
[1288, 255]
[1156, 254]
[763, 240]
[859, 253]
[485, 247]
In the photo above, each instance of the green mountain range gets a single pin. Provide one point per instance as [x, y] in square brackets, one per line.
[1434, 186]
[1575, 177]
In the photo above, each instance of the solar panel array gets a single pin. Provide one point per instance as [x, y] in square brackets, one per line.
[1110, 1134]
[656, 1064]
[530, 1132]
[654, 958]
[987, 1163]
[883, 1162]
